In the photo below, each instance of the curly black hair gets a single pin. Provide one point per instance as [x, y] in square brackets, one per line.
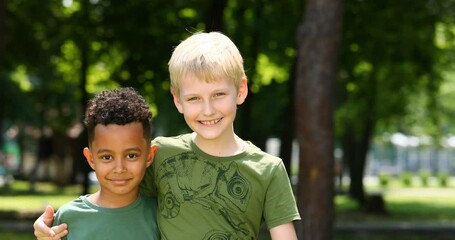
[120, 106]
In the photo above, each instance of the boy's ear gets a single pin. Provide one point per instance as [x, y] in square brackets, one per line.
[243, 91]
[89, 157]
[177, 102]
[151, 155]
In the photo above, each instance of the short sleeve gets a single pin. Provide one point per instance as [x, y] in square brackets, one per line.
[280, 206]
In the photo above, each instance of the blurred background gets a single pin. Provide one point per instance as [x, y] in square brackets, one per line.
[393, 100]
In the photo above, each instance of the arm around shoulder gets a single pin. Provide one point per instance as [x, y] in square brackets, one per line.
[283, 232]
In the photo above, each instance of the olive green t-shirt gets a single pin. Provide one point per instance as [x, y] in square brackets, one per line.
[201, 196]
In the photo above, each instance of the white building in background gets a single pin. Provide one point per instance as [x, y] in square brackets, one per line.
[394, 154]
[398, 152]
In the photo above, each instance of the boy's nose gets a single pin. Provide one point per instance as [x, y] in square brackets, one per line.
[208, 108]
[119, 167]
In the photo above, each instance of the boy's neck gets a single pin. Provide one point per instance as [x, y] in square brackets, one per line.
[230, 146]
[108, 200]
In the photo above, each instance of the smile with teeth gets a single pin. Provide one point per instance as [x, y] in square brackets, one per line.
[210, 122]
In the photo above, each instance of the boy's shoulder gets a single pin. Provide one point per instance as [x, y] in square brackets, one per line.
[170, 146]
[184, 139]
[254, 152]
[71, 209]
[75, 203]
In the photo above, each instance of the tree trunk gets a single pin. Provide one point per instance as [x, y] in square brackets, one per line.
[288, 134]
[356, 165]
[317, 41]
[215, 16]
[356, 143]
[3, 35]
[3, 31]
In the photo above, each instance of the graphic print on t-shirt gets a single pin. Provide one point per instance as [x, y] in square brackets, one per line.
[219, 188]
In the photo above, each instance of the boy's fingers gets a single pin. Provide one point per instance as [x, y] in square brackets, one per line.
[45, 238]
[40, 235]
[42, 231]
[42, 225]
[54, 233]
[60, 231]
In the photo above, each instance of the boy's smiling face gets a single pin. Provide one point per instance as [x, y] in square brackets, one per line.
[119, 154]
[209, 108]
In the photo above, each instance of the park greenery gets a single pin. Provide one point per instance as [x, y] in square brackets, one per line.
[395, 67]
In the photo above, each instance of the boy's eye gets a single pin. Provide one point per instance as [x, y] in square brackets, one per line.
[192, 99]
[131, 155]
[106, 157]
[219, 94]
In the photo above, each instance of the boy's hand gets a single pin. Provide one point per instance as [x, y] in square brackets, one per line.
[43, 230]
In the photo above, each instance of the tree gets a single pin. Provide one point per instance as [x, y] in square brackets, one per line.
[381, 66]
[317, 40]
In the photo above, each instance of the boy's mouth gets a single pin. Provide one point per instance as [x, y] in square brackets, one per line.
[119, 181]
[210, 122]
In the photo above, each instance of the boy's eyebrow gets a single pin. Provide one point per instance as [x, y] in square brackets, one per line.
[103, 150]
[221, 89]
[133, 149]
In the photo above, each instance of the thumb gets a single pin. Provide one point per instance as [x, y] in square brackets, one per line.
[42, 225]
[48, 216]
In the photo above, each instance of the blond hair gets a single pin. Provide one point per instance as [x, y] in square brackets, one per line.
[208, 57]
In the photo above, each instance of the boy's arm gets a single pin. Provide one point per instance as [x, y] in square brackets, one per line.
[42, 229]
[283, 232]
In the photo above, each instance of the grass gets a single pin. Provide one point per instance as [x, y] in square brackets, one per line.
[18, 202]
[411, 236]
[18, 197]
[415, 204]
[8, 235]
[405, 205]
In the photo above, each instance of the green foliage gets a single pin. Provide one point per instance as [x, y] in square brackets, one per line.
[384, 65]
[123, 44]
[384, 178]
[406, 178]
[126, 45]
[443, 177]
[424, 177]
[390, 74]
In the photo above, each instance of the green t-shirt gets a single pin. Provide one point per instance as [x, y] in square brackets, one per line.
[88, 221]
[201, 196]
